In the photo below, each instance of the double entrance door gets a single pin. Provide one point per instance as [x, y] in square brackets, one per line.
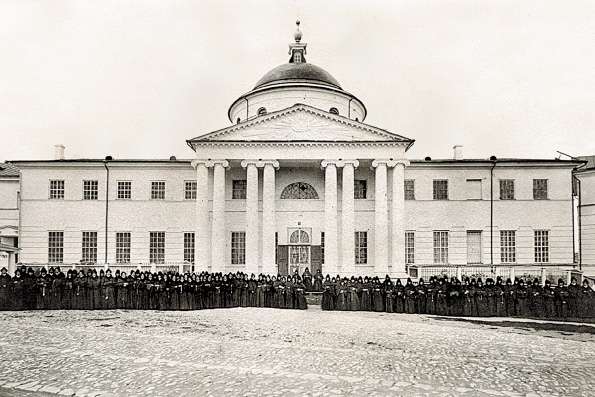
[299, 250]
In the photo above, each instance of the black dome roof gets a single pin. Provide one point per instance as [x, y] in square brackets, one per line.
[297, 72]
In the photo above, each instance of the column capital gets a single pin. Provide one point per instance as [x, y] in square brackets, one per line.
[325, 163]
[389, 162]
[260, 163]
[343, 163]
[209, 163]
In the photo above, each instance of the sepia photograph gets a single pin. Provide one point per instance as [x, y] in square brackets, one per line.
[297, 198]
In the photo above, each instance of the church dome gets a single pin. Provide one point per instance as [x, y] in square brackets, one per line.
[297, 72]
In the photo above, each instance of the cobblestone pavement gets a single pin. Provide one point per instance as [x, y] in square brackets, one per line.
[276, 352]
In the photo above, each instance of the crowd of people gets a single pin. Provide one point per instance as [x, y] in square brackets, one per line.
[143, 290]
[471, 297]
[53, 290]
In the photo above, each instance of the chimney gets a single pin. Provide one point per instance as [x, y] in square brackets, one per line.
[458, 152]
[59, 152]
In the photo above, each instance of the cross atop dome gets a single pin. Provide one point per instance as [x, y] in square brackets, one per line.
[297, 50]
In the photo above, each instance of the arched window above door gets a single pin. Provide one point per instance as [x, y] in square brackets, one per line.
[299, 237]
[299, 191]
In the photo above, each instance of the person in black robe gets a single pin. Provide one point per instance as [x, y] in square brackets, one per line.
[573, 295]
[108, 290]
[121, 284]
[328, 293]
[68, 291]
[549, 299]
[442, 297]
[509, 296]
[521, 302]
[481, 300]
[389, 299]
[252, 284]
[29, 290]
[343, 295]
[300, 295]
[431, 296]
[18, 290]
[43, 291]
[535, 299]
[561, 300]
[307, 280]
[468, 297]
[399, 292]
[244, 291]
[5, 290]
[318, 279]
[365, 301]
[410, 297]
[500, 306]
[354, 292]
[586, 301]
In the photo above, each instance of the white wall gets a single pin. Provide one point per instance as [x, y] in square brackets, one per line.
[176, 215]
[587, 219]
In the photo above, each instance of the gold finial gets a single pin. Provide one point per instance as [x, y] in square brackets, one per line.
[298, 34]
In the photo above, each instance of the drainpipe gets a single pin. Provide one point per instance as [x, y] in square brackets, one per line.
[494, 160]
[580, 234]
[106, 205]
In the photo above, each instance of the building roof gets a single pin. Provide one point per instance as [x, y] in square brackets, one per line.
[590, 162]
[8, 170]
[507, 160]
[295, 73]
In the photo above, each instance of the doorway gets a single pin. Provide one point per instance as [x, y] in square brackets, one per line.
[299, 250]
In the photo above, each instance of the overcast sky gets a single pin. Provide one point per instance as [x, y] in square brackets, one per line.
[135, 79]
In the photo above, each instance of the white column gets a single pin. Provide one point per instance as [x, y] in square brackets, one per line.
[330, 216]
[398, 219]
[218, 235]
[380, 218]
[348, 218]
[269, 224]
[202, 245]
[251, 216]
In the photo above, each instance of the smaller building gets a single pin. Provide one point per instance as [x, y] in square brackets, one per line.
[9, 214]
[586, 215]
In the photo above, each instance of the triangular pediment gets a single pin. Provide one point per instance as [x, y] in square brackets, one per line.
[301, 123]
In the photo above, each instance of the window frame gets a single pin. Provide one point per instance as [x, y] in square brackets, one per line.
[507, 189]
[88, 246]
[56, 192]
[437, 189]
[90, 189]
[122, 192]
[479, 252]
[541, 245]
[55, 252]
[238, 248]
[189, 245]
[540, 190]
[409, 247]
[359, 186]
[156, 192]
[238, 192]
[409, 189]
[361, 247]
[440, 250]
[480, 182]
[190, 189]
[123, 247]
[157, 247]
[507, 246]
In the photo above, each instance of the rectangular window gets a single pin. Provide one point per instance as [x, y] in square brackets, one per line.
[90, 190]
[409, 247]
[539, 189]
[124, 190]
[158, 190]
[189, 247]
[190, 190]
[409, 189]
[506, 189]
[238, 189]
[238, 248]
[473, 189]
[440, 189]
[322, 246]
[473, 247]
[542, 246]
[123, 247]
[157, 247]
[55, 247]
[361, 248]
[57, 189]
[360, 189]
[507, 246]
[440, 247]
[89, 247]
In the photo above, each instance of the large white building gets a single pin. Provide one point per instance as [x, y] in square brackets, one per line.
[298, 180]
